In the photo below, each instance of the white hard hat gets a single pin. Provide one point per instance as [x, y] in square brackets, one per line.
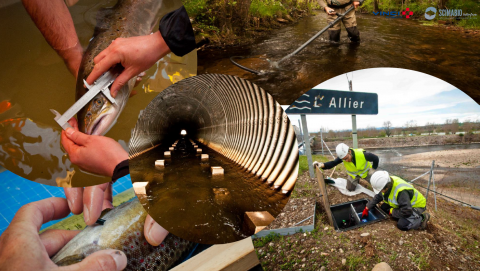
[378, 180]
[342, 150]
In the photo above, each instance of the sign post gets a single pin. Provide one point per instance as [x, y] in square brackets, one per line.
[354, 122]
[306, 144]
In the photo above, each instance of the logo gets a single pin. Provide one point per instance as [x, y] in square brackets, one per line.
[395, 14]
[430, 17]
[407, 13]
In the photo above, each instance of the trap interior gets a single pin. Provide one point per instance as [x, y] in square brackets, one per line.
[347, 216]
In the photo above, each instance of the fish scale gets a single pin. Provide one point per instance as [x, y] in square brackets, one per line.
[123, 230]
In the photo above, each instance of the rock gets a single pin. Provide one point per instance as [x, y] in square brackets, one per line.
[304, 234]
[322, 268]
[335, 237]
[400, 242]
[383, 266]
[365, 234]
[323, 254]
[303, 265]
[260, 251]
[344, 261]
[280, 20]
[449, 249]
[341, 250]
[271, 244]
[325, 229]
[304, 259]
[301, 252]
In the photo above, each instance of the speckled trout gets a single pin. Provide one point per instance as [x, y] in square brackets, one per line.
[128, 18]
[123, 230]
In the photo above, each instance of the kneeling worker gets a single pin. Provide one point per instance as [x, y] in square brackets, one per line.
[400, 200]
[356, 162]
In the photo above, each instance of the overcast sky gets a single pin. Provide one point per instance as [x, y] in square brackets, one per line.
[403, 95]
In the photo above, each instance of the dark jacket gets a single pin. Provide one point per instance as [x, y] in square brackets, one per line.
[368, 156]
[404, 198]
[177, 32]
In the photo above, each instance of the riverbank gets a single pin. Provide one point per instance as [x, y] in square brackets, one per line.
[408, 141]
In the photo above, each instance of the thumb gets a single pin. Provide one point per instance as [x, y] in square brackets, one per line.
[78, 137]
[103, 260]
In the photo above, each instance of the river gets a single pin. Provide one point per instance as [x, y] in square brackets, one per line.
[398, 43]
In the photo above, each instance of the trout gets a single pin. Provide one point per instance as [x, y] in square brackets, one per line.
[128, 18]
[123, 230]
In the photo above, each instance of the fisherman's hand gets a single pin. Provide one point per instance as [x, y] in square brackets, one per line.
[93, 200]
[22, 248]
[72, 58]
[356, 4]
[136, 54]
[330, 11]
[95, 154]
[318, 164]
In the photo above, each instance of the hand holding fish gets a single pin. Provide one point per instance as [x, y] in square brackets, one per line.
[22, 248]
[136, 54]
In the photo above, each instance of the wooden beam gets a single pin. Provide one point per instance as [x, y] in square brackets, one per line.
[323, 189]
[232, 256]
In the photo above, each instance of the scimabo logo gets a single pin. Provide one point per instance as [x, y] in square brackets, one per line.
[430, 17]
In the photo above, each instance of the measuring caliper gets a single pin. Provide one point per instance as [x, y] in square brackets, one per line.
[101, 85]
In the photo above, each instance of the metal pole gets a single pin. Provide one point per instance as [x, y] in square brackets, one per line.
[321, 138]
[429, 180]
[301, 133]
[434, 189]
[354, 122]
[306, 139]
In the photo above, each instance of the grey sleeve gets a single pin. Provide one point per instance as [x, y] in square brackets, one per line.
[377, 199]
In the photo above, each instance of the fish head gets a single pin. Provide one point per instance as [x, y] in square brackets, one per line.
[98, 116]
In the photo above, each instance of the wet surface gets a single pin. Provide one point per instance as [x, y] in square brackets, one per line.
[35, 79]
[187, 201]
[400, 43]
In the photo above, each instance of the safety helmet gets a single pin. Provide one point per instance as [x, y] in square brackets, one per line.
[342, 150]
[378, 180]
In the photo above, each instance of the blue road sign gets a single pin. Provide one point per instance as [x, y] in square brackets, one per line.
[324, 101]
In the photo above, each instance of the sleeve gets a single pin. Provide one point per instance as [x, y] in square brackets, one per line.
[377, 199]
[177, 32]
[404, 209]
[322, 3]
[331, 164]
[372, 158]
[120, 170]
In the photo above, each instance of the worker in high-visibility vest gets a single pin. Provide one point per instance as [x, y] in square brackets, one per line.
[400, 200]
[357, 162]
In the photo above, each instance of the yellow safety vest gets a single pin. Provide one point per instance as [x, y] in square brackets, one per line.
[418, 200]
[362, 165]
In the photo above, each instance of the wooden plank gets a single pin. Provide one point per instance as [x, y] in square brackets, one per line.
[232, 256]
[323, 189]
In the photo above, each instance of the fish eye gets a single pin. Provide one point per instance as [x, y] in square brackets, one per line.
[99, 101]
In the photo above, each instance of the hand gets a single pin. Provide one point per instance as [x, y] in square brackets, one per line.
[95, 154]
[93, 199]
[356, 4]
[365, 212]
[22, 248]
[330, 11]
[136, 54]
[318, 164]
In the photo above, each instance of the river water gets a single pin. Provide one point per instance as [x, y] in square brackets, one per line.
[399, 43]
[34, 79]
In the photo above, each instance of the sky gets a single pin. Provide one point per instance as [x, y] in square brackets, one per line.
[403, 95]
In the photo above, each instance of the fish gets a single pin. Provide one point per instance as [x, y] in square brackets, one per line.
[128, 18]
[122, 229]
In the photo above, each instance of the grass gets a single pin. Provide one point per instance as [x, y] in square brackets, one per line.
[260, 242]
[303, 167]
[354, 262]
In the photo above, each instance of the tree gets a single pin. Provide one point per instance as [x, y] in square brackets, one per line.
[387, 127]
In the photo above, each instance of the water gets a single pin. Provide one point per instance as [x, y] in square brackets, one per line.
[187, 201]
[34, 79]
[398, 43]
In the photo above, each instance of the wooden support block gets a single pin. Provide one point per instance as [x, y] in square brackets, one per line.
[204, 157]
[167, 154]
[160, 163]
[323, 190]
[171, 148]
[217, 171]
[199, 150]
[140, 188]
[257, 221]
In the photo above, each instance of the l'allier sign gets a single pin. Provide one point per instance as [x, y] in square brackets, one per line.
[324, 101]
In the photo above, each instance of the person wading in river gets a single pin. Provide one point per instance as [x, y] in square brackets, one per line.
[332, 7]
[356, 162]
[400, 200]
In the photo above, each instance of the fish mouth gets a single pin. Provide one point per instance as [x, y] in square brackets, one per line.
[97, 125]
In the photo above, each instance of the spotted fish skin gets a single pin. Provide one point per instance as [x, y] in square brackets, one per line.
[123, 230]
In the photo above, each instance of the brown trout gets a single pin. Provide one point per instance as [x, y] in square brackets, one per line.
[128, 18]
[123, 230]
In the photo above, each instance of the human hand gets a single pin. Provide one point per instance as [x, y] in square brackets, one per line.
[356, 4]
[136, 54]
[365, 212]
[72, 58]
[318, 164]
[330, 11]
[93, 199]
[95, 154]
[22, 248]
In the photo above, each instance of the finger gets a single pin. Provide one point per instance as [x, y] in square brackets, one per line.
[102, 55]
[121, 80]
[37, 213]
[102, 66]
[76, 136]
[54, 240]
[93, 202]
[69, 146]
[74, 123]
[108, 198]
[75, 199]
[133, 93]
[154, 233]
[102, 260]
